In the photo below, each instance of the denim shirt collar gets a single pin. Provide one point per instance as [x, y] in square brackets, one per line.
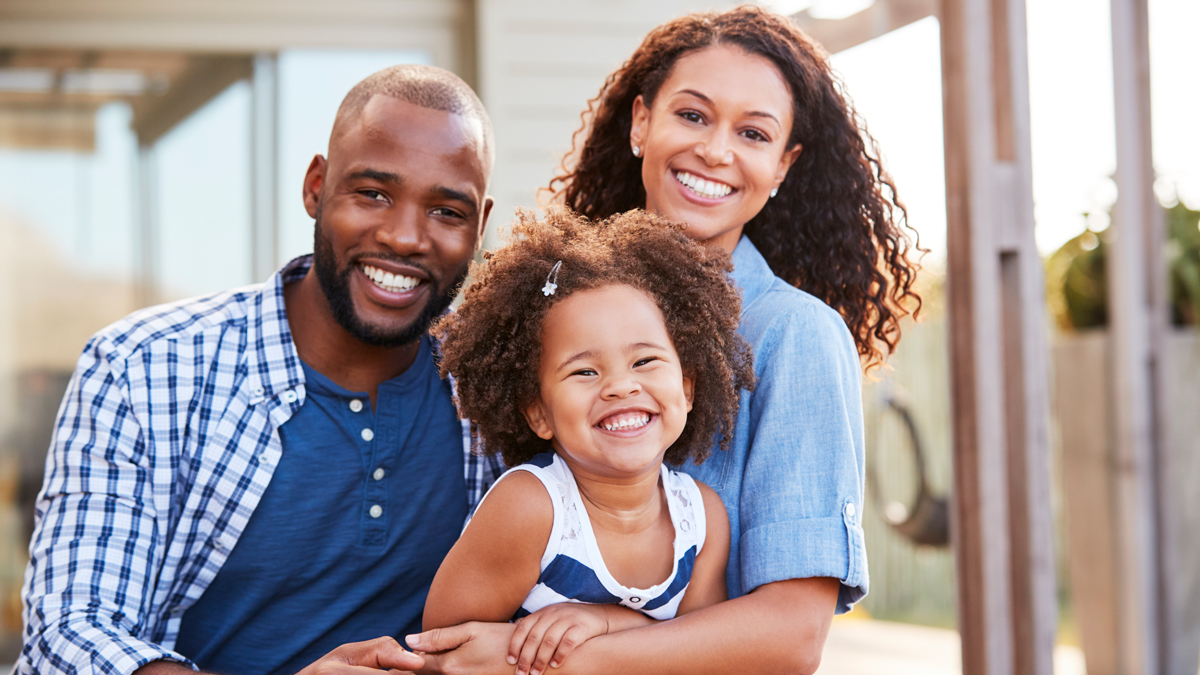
[751, 272]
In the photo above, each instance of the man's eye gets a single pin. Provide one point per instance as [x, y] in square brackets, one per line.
[374, 195]
[443, 212]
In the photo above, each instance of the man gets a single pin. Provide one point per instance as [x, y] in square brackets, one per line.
[246, 481]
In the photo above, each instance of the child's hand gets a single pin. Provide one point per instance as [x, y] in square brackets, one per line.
[550, 634]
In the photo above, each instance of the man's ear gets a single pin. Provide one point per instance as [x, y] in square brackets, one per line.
[488, 203]
[535, 415]
[689, 390]
[314, 182]
[641, 117]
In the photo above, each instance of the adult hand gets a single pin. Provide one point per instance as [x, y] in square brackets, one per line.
[366, 658]
[474, 647]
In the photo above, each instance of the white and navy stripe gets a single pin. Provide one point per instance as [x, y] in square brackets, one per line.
[572, 568]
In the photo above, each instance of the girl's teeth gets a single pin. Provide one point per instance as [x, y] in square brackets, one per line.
[628, 421]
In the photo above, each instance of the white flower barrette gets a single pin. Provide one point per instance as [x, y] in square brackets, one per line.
[552, 285]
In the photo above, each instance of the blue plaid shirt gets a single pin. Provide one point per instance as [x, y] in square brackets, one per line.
[166, 439]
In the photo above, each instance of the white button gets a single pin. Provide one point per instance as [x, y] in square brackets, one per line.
[367, 434]
[376, 511]
[850, 511]
[258, 391]
[635, 600]
[356, 406]
[289, 396]
[378, 475]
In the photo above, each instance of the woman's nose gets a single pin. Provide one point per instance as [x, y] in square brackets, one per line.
[716, 149]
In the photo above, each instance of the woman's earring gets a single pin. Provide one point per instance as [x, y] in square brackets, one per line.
[637, 151]
[774, 191]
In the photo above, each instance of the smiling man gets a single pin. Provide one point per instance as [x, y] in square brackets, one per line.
[244, 482]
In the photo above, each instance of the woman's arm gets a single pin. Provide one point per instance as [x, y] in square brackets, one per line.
[778, 628]
[707, 586]
[490, 570]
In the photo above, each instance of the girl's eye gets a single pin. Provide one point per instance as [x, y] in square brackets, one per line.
[642, 362]
[586, 372]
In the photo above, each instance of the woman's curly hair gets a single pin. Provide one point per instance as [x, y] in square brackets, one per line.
[492, 344]
[835, 229]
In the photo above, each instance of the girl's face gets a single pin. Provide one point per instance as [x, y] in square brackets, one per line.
[613, 394]
[714, 143]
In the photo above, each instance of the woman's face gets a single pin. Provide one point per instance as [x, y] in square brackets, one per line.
[714, 143]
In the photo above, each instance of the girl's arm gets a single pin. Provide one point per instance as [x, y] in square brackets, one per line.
[490, 570]
[708, 576]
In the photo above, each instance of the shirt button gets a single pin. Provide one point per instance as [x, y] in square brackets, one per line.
[850, 511]
[378, 475]
[368, 435]
[635, 600]
[376, 511]
[356, 406]
[289, 396]
[258, 391]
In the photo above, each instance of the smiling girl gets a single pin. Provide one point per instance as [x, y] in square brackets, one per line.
[586, 354]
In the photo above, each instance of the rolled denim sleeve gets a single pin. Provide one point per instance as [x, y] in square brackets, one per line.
[802, 485]
[94, 553]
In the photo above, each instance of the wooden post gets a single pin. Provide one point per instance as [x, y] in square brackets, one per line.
[1001, 517]
[1138, 324]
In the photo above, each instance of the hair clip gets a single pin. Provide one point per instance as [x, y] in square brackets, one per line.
[552, 286]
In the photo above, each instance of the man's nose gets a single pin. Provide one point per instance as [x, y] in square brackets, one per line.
[406, 231]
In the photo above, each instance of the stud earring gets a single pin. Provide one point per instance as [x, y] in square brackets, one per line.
[774, 191]
[637, 151]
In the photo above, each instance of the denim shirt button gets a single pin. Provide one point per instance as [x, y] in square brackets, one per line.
[850, 511]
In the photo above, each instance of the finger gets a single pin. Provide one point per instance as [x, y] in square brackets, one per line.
[381, 654]
[571, 639]
[530, 648]
[441, 639]
[518, 638]
[548, 645]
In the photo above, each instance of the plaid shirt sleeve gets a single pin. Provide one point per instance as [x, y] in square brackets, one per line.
[95, 548]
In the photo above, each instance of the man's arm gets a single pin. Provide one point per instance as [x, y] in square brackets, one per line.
[778, 628]
[358, 658]
[95, 550]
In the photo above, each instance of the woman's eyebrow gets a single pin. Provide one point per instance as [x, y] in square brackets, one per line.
[751, 113]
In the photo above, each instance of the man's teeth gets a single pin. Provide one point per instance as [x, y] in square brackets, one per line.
[631, 420]
[704, 188]
[394, 283]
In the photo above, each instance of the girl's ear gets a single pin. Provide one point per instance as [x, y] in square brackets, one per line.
[535, 415]
[641, 115]
[689, 390]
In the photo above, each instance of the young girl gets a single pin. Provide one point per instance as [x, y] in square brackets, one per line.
[587, 353]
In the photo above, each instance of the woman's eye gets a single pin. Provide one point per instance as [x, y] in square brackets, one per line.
[691, 116]
[756, 135]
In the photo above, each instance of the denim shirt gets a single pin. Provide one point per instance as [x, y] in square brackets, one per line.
[792, 480]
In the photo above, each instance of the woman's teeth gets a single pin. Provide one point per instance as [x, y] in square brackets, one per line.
[624, 421]
[394, 283]
[704, 188]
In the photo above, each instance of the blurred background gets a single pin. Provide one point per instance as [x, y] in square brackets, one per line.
[152, 150]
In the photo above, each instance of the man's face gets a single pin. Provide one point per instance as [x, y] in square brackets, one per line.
[400, 206]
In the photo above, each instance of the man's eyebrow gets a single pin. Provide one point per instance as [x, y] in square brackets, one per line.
[752, 113]
[376, 175]
[457, 195]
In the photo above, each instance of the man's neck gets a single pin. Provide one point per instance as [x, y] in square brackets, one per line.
[325, 346]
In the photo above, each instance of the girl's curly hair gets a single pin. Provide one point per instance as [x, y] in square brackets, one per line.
[492, 344]
[835, 229]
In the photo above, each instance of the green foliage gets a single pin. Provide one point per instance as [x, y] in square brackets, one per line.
[1077, 285]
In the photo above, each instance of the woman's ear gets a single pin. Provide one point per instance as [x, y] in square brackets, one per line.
[535, 415]
[641, 116]
[785, 163]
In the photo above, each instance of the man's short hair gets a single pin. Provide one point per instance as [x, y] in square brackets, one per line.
[426, 86]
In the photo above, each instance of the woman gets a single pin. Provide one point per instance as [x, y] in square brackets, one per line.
[734, 124]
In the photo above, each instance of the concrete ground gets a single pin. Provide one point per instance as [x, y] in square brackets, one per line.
[869, 647]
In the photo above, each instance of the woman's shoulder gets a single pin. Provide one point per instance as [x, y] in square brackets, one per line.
[785, 317]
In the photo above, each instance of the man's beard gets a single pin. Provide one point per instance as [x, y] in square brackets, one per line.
[336, 286]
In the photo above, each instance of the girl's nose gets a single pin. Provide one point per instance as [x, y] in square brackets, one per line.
[620, 387]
